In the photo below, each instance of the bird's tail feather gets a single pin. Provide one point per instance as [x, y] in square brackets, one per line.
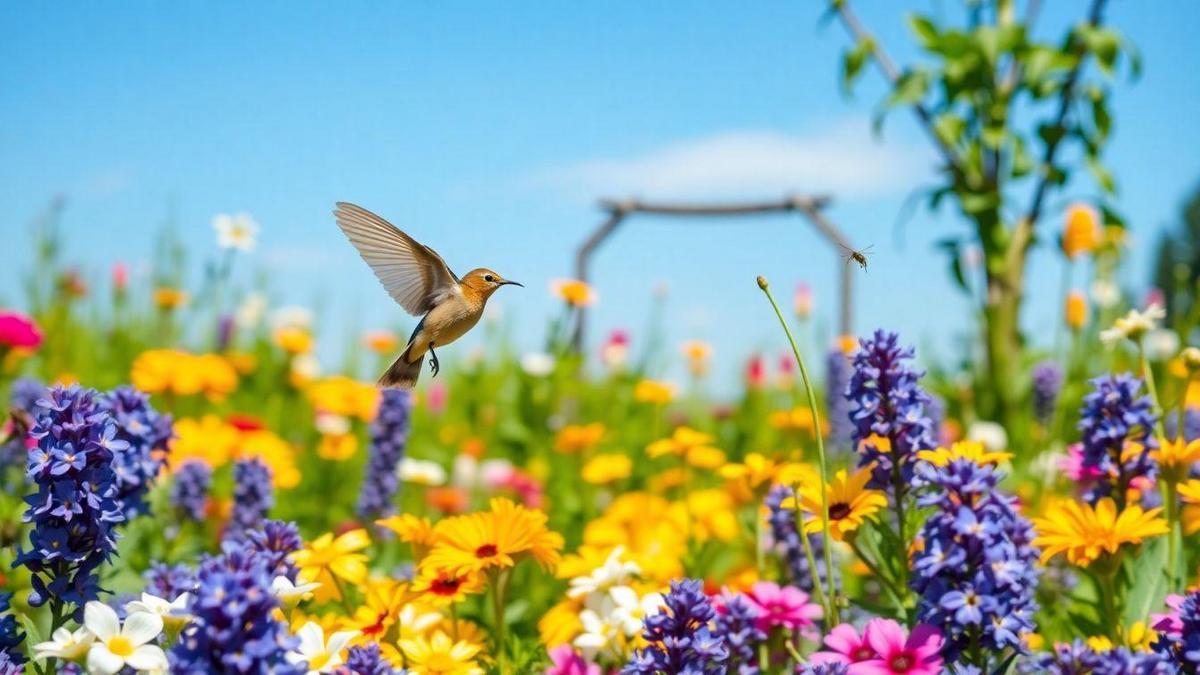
[402, 374]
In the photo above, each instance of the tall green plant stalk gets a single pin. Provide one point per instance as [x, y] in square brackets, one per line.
[831, 612]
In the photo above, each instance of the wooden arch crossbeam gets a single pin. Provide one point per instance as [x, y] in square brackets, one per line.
[811, 207]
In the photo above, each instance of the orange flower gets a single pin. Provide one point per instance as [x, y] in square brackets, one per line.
[649, 391]
[1077, 310]
[573, 292]
[1081, 233]
[578, 438]
[440, 587]
[167, 298]
[381, 341]
[294, 339]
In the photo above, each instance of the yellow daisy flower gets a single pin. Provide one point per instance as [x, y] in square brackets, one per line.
[498, 538]
[440, 655]
[970, 450]
[441, 587]
[327, 560]
[1084, 533]
[850, 503]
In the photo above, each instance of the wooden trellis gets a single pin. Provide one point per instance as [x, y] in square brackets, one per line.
[811, 207]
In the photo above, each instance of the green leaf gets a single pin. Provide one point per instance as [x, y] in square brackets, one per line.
[853, 62]
[1104, 44]
[1101, 117]
[993, 136]
[949, 128]
[953, 249]
[910, 88]
[1050, 133]
[978, 202]
[1149, 588]
[33, 634]
[924, 29]
[1022, 162]
[1102, 175]
[987, 39]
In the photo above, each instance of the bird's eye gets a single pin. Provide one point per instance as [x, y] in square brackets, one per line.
[488, 277]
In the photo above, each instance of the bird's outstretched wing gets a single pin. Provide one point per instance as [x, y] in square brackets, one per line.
[413, 274]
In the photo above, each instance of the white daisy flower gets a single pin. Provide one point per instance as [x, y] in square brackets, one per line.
[117, 646]
[236, 231]
[322, 656]
[64, 644]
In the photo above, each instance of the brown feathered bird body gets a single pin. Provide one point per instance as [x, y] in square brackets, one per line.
[421, 282]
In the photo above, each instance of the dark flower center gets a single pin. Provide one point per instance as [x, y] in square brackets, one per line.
[485, 551]
[901, 663]
[863, 653]
[445, 585]
[838, 511]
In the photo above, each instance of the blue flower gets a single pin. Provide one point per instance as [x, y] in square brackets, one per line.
[1076, 658]
[1182, 649]
[837, 377]
[389, 435]
[1047, 383]
[366, 660]
[1113, 416]
[886, 400]
[169, 582]
[233, 627]
[735, 623]
[10, 635]
[146, 432]
[276, 541]
[73, 511]
[253, 497]
[680, 639]
[189, 491]
[977, 572]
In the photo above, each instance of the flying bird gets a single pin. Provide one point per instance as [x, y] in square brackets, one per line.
[420, 281]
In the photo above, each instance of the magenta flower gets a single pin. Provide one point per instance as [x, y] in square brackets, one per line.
[846, 647]
[18, 330]
[785, 606]
[1169, 623]
[896, 652]
[564, 661]
[1073, 468]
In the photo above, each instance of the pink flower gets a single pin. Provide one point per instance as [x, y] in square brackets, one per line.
[1072, 465]
[18, 330]
[435, 398]
[785, 606]
[1169, 622]
[847, 647]
[564, 661]
[896, 652]
[756, 372]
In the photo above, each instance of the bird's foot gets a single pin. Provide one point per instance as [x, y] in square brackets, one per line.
[434, 366]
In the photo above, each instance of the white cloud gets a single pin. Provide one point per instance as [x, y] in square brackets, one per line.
[842, 159]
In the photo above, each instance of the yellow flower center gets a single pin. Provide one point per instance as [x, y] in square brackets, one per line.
[318, 662]
[121, 646]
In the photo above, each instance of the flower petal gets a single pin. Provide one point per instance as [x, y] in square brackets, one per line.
[101, 620]
[142, 627]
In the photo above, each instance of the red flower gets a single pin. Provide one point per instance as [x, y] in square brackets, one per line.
[18, 330]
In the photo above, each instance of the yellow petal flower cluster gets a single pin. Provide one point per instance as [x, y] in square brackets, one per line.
[694, 447]
[495, 539]
[1083, 534]
[341, 395]
[578, 438]
[216, 443]
[652, 391]
[973, 451]
[179, 373]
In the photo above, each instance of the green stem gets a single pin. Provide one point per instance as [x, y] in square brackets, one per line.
[1108, 600]
[1172, 536]
[832, 614]
[499, 590]
[884, 579]
[808, 553]
[1158, 409]
[337, 583]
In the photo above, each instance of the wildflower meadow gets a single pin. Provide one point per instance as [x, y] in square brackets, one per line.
[197, 481]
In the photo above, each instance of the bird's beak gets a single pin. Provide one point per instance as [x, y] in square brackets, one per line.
[513, 283]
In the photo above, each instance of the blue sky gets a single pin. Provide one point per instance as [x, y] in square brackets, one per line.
[488, 131]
